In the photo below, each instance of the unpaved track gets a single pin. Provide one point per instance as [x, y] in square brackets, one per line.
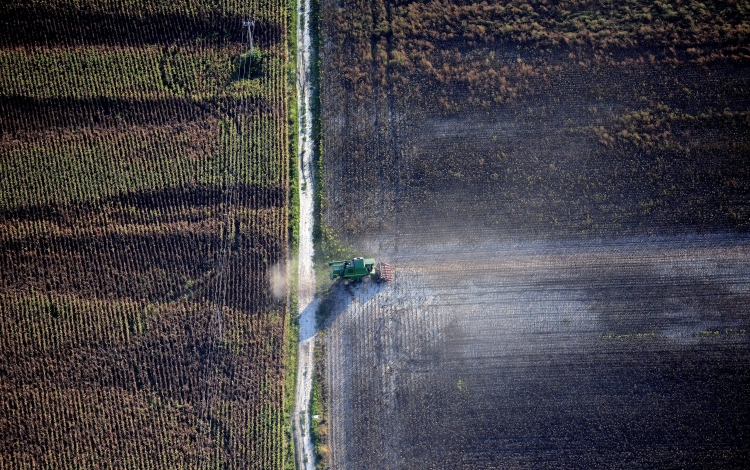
[616, 353]
[306, 292]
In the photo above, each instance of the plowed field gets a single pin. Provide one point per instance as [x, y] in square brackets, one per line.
[533, 355]
[563, 189]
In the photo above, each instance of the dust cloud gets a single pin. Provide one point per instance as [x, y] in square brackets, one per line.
[278, 279]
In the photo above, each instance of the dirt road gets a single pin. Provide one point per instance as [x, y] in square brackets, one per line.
[613, 353]
[306, 290]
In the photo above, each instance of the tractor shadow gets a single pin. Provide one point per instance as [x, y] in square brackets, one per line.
[342, 295]
[307, 320]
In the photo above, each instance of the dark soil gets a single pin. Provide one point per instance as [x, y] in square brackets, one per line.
[546, 355]
[563, 189]
[526, 139]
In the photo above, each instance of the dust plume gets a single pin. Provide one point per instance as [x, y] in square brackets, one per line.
[278, 280]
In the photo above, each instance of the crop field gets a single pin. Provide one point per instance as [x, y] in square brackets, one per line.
[532, 355]
[144, 205]
[563, 189]
[536, 119]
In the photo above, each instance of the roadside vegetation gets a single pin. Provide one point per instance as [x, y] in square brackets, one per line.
[319, 408]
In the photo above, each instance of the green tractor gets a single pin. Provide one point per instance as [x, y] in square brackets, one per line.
[357, 268]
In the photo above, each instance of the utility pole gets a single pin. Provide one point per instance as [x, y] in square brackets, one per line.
[250, 25]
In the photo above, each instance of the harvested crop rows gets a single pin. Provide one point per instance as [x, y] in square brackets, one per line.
[144, 175]
[538, 355]
[563, 188]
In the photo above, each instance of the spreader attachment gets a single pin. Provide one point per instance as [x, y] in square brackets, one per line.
[384, 272]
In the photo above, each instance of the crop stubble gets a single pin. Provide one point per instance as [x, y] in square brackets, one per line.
[603, 122]
[545, 355]
[563, 189]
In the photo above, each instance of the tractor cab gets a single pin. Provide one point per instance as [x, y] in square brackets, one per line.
[353, 269]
